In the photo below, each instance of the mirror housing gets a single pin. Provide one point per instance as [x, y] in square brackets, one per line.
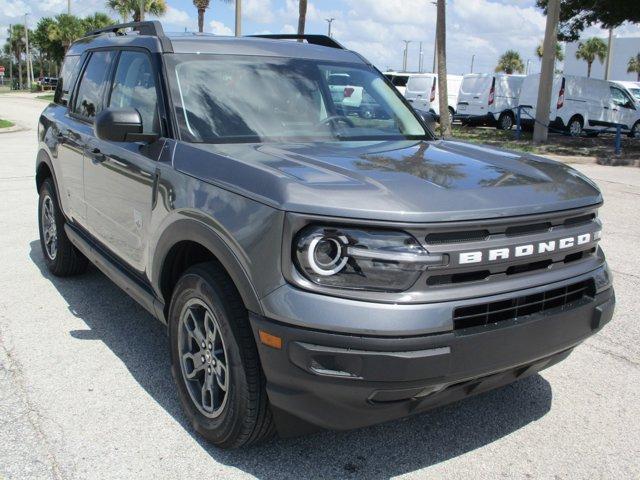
[121, 125]
[428, 118]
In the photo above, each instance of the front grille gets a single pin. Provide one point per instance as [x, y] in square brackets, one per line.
[494, 312]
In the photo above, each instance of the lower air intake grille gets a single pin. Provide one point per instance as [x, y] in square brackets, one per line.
[487, 313]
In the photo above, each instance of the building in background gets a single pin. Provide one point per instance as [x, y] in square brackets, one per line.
[623, 50]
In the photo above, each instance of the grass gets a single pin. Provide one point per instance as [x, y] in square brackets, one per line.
[5, 123]
[600, 147]
[48, 97]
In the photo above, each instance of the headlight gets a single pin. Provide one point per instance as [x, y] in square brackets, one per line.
[360, 259]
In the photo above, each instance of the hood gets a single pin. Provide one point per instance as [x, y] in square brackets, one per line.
[410, 181]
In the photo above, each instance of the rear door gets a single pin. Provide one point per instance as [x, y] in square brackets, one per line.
[419, 90]
[119, 176]
[473, 98]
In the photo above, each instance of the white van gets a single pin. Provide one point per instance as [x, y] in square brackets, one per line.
[422, 92]
[581, 104]
[489, 98]
[632, 87]
[399, 80]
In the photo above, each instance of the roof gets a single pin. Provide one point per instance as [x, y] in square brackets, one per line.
[149, 35]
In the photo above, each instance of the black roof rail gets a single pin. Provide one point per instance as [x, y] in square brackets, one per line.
[151, 28]
[314, 39]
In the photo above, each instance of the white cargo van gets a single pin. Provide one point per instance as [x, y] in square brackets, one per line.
[632, 87]
[489, 99]
[422, 92]
[581, 104]
[399, 80]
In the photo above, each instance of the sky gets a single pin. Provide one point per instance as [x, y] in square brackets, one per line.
[374, 28]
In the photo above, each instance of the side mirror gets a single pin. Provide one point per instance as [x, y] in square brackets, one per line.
[428, 118]
[121, 125]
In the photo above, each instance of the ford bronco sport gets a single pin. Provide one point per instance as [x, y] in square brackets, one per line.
[315, 267]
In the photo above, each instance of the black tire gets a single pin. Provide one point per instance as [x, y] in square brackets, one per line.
[575, 126]
[635, 130]
[505, 121]
[243, 417]
[63, 260]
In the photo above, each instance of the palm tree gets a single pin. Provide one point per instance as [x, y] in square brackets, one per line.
[97, 21]
[202, 5]
[302, 16]
[591, 49]
[132, 7]
[510, 62]
[634, 66]
[66, 30]
[15, 46]
[559, 52]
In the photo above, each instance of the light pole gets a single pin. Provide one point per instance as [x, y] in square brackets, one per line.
[329, 21]
[420, 58]
[404, 58]
[607, 71]
[473, 57]
[526, 70]
[435, 44]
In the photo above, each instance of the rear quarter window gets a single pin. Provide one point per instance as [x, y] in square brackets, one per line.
[68, 76]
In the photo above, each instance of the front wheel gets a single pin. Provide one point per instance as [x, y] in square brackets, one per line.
[63, 259]
[505, 122]
[635, 130]
[214, 360]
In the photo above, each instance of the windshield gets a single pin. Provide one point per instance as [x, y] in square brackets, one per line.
[230, 99]
[636, 93]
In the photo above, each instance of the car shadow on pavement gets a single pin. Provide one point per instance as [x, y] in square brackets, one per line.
[382, 451]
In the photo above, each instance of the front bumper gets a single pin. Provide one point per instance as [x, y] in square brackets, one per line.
[321, 379]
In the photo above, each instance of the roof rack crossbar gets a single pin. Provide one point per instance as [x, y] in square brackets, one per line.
[151, 28]
[314, 39]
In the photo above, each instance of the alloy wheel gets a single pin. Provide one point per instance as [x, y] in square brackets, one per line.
[203, 358]
[49, 229]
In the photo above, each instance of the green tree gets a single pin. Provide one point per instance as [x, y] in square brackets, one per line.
[591, 49]
[132, 7]
[50, 50]
[634, 66]
[559, 52]
[96, 21]
[510, 62]
[576, 15]
[66, 30]
[15, 47]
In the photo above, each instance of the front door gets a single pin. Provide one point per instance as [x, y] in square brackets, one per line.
[119, 176]
[622, 108]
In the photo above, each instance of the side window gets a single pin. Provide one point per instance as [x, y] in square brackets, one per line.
[94, 80]
[618, 97]
[134, 86]
[68, 75]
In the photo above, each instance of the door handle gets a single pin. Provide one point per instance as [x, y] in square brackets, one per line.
[97, 156]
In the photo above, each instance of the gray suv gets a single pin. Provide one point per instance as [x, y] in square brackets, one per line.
[316, 268]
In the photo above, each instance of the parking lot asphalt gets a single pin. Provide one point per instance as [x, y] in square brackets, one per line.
[85, 388]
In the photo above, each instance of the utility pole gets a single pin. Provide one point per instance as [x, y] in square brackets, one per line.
[26, 39]
[607, 72]
[329, 21]
[541, 129]
[441, 35]
[420, 59]
[473, 57]
[435, 42]
[238, 18]
[404, 58]
[68, 7]
[11, 59]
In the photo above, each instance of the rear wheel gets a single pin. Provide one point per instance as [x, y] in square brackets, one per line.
[505, 122]
[62, 258]
[214, 360]
[574, 127]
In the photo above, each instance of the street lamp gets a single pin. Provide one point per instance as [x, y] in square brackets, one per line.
[329, 21]
[404, 58]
